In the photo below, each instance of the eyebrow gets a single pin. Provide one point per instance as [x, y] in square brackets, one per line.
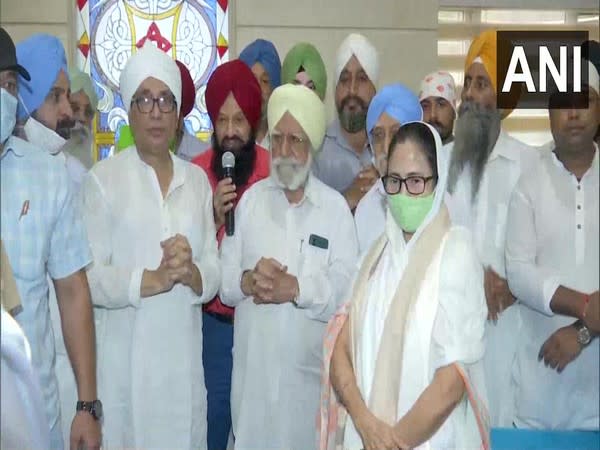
[57, 90]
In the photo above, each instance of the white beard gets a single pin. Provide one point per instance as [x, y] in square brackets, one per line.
[289, 174]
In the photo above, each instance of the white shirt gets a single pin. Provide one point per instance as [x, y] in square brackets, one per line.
[150, 375]
[552, 241]
[24, 424]
[486, 218]
[369, 216]
[277, 351]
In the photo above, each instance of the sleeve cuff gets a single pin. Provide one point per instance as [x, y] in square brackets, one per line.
[208, 290]
[231, 290]
[550, 286]
[135, 285]
[306, 292]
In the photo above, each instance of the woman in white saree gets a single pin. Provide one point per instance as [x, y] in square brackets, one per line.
[406, 366]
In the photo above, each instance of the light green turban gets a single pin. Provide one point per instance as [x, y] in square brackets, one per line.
[81, 81]
[304, 105]
[306, 56]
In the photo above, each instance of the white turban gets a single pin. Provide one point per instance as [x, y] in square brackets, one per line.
[304, 105]
[439, 84]
[148, 62]
[365, 52]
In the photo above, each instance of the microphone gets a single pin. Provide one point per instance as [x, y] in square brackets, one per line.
[228, 164]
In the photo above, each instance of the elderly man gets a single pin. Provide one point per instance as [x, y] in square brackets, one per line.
[303, 65]
[392, 107]
[484, 169]
[286, 275]
[262, 58]
[150, 224]
[44, 236]
[233, 101]
[188, 146]
[84, 103]
[44, 113]
[345, 161]
[438, 100]
[552, 267]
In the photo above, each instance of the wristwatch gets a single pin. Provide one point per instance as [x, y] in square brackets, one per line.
[93, 407]
[583, 333]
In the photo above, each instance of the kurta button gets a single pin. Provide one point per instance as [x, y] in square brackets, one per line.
[579, 226]
[578, 206]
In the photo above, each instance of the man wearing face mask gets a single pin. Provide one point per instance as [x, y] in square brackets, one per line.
[44, 113]
[345, 160]
[84, 103]
[393, 106]
[484, 169]
[44, 236]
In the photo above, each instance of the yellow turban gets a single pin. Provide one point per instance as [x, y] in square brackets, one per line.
[484, 47]
[304, 105]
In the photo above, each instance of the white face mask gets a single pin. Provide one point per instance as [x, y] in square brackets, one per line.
[43, 137]
[8, 114]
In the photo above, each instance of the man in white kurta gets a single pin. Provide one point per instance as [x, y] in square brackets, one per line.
[484, 169]
[294, 220]
[149, 318]
[552, 257]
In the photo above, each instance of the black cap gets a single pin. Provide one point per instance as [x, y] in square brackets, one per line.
[8, 55]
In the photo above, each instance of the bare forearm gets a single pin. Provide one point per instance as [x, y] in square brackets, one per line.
[432, 408]
[568, 302]
[78, 328]
[343, 379]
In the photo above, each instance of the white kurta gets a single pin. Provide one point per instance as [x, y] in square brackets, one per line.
[486, 219]
[446, 326]
[552, 240]
[150, 375]
[277, 351]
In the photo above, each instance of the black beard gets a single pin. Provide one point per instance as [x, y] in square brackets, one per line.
[356, 121]
[475, 136]
[245, 159]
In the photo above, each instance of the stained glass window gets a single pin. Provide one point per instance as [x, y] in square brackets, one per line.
[109, 31]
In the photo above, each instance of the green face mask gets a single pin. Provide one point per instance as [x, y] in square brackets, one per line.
[409, 212]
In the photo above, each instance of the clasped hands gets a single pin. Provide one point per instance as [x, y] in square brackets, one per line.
[176, 265]
[269, 283]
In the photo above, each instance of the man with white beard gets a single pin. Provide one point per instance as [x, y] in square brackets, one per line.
[485, 166]
[84, 103]
[286, 270]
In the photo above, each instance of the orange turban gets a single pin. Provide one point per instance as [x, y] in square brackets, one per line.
[484, 47]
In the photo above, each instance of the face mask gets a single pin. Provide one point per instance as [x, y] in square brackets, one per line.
[410, 212]
[8, 117]
[43, 137]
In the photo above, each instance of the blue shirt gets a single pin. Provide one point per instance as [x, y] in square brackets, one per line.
[43, 235]
[337, 164]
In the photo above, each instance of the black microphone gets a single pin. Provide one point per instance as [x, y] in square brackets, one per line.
[228, 163]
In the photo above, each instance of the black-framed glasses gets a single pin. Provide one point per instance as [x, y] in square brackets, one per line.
[415, 185]
[145, 104]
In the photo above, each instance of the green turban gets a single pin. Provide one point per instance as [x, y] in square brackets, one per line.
[81, 81]
[306, 56]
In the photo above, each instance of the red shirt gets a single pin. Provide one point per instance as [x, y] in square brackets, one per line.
[261, 170]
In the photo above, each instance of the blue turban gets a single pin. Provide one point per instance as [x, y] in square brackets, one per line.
[44, 57]
[398, 102]
[265, 53]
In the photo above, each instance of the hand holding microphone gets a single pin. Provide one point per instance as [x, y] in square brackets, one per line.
[225, 195]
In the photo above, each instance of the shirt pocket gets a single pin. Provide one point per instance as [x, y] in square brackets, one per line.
[313, 259]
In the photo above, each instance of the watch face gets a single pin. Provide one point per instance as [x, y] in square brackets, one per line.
[98, 409]
[583, 336]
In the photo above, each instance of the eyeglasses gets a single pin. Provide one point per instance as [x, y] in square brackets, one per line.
[296, 142]
[415, 185]
[145, 105]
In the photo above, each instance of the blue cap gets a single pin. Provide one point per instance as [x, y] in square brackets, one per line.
[44, 56]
